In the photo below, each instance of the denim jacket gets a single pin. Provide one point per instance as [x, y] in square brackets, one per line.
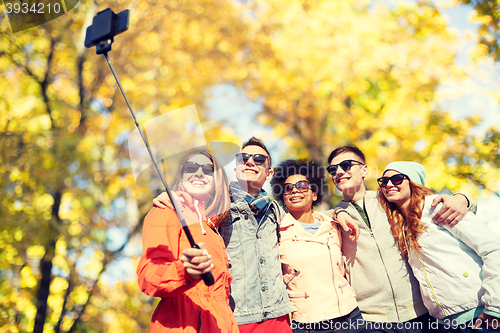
[258, 292]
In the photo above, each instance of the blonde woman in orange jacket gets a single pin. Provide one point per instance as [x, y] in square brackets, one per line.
[171, 270]
[310, 254]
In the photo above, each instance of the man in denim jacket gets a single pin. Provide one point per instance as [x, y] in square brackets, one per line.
[258, 295]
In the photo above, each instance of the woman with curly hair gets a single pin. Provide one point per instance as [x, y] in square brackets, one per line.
[170, 269]
[457, 267]
[310, 253]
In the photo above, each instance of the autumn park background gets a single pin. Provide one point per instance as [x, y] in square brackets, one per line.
[306, 76]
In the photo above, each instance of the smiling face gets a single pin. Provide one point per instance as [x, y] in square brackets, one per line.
[298, 202]
[399, 194]
[351, 182]
[197, 184]
[251, 176]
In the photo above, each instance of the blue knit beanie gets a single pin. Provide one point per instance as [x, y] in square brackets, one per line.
[415, 171]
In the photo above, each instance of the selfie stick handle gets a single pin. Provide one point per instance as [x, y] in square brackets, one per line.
[207, 277]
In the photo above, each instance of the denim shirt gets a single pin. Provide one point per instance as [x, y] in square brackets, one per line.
[258, 292]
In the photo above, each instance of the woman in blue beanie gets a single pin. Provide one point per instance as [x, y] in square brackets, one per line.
[458, 268]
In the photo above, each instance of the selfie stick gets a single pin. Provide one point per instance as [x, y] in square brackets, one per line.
[105, 26]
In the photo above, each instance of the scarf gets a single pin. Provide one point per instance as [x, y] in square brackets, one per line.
[257, 204]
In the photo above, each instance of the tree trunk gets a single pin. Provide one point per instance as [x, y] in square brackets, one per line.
[44, 289]
[46, 270]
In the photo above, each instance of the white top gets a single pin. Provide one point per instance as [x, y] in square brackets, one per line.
[457, 268]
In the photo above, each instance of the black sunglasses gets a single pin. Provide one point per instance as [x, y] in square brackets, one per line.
[345, 165]
[301, 186]
[258, 159]
[395, 180]
[192, 167]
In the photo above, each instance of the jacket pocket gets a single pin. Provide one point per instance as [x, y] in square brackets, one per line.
[292, 276]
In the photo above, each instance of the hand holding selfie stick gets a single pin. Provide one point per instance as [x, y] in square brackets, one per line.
[105, 25]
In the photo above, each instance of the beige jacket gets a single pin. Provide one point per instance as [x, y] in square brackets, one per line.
[313, 270]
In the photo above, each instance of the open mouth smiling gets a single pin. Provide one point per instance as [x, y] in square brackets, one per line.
[198, 182]
[295, 199]
[342, 179]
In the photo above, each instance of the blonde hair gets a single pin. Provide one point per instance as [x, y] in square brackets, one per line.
[405, 230]
[217, 208]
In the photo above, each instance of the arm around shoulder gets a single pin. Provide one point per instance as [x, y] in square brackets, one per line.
[341, 217]
[471, 203]
[453, 209]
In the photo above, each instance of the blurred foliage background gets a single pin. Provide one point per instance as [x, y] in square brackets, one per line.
[325, 73]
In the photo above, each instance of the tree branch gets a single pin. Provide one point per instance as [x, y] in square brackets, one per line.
[18, 64]
[45, 82]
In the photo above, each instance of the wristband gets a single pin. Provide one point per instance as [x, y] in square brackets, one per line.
[337, 212]
[468, 202]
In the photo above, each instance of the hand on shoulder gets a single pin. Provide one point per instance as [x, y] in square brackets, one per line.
[453, 210]
[348, 224]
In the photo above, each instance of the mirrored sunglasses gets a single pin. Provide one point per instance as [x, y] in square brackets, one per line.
[301, 186]
[395, 180]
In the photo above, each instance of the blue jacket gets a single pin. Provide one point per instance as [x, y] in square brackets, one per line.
[258, 292]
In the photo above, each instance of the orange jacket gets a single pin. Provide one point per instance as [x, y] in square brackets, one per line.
[186, 305]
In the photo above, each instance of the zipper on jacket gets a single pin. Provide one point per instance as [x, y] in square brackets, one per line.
[342, 270]
[333, 268]
[387, 273]
[430, 286]
[294, 274]
[203, 231]
[299, 296]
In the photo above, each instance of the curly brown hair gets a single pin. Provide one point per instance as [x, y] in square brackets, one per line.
[405, 230]
[314, 173]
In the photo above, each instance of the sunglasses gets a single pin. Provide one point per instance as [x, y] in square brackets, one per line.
[345, 165]
[192, 167]
[395, 180]
[301, 186]
[258, 159]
